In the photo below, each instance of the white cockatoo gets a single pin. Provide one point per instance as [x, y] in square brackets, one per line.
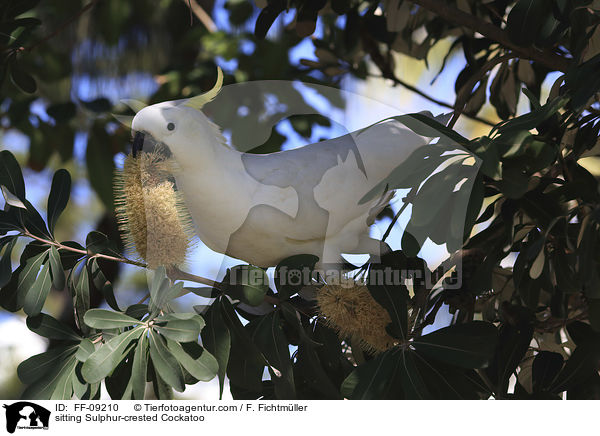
[263, 208]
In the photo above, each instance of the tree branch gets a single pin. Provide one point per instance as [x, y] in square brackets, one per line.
[450, 13]
[412, 88]
[83, 252]
[202, 15]
[175, 273]
[61, 28]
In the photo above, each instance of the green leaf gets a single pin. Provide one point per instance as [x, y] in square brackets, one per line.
[11, 199]
[165, 363]
[100, 164]
[372, 380]
[80, 387]
[81, 296]
[201, 365]
[56, 385]
[424, 124]
[93, 391]
[594, 306]
[140, 368]
[435, 193]
[449, 382]
[69, 258]
[391, 296]
[160, 291]
[469, 345]
[97, 242]
[64, 385]
[513, 343]
[545, 367]
[37, 366]
[292, 316]
[267, 16]
[293, 273]
[108, 319]
[8, 243]
[476, 196]
[56, 270]
[531, 119]
[409, 244]
[270, 339]
[582, 365]
[248, 284]
[37, 294]
[34, 222]
[412, 171]
[98, 105]
[183, 316]
[28, 275]
[49, 327]
[60, 190]
[137, 311]
[16, 8]
[9, 221]
[514, 183]
[23, 79]
[103, 285]
[106, 358]
[204, 291]
[118, 382]
[216, 338]
[85, 350]
[412, 382]
[179, 330]
[162, 390]
[62, 112]
[10, 174]
[245, 370]
[524, 21]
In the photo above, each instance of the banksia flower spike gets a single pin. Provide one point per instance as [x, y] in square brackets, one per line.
[150, 212]
[353, 312]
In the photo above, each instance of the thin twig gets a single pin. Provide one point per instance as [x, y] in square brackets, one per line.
[144, 299]
[406, 203]
[202, 15]
[175, 273]
[432, 99]
[83, 252]
[62, 27]
[494, 12]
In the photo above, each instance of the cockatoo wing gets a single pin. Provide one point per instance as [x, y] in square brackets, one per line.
[334, 175]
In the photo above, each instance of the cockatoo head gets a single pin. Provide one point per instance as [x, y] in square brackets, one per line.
[178, 124]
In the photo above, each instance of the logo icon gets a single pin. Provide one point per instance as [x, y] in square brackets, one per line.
[26, 415]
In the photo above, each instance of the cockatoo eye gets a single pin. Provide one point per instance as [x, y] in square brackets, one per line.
[171, 126]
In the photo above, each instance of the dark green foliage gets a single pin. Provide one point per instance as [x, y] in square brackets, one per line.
[526, 184]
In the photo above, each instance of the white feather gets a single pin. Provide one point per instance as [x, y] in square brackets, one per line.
[264, 208]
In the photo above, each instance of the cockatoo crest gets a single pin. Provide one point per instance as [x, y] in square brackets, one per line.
[199, 101]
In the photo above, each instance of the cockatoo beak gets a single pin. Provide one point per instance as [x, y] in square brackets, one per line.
[144, 141]
[138, 143]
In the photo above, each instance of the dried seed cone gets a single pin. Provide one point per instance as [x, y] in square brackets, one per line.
[353, 312]
[150, 211]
